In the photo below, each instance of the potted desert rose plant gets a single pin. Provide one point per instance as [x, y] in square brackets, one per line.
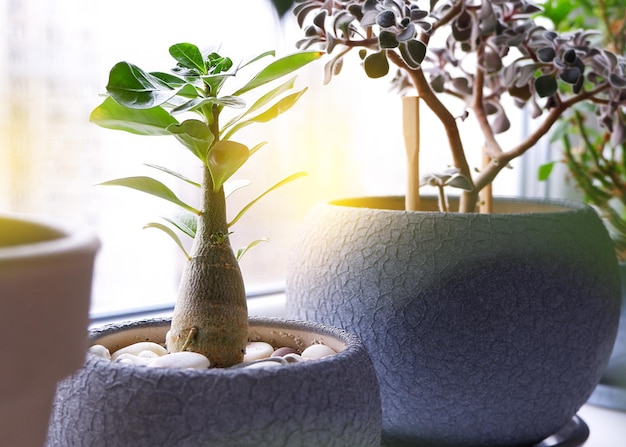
[595, 159]
[330, 401]
[490, 328]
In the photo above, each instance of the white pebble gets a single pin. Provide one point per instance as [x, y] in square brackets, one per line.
[256, 350]
[131, 359]
[100, 351]
[317, 352]
[126, 361]
[137, 348]
[261, 365]
[285, 350]
[148, 354]
[184, 359]
[293, 358]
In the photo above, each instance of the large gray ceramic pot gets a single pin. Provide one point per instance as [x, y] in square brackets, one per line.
[333, 401]
[611, 391]
[485, 330]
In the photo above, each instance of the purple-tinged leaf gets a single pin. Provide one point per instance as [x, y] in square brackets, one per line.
[617, 81]
[386, 19]
[501, 122]
[407, 33]
[413, 52]
[546, 54]
[570, 75]
[546, 86]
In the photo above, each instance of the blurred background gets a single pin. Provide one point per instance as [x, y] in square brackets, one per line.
[54, 61]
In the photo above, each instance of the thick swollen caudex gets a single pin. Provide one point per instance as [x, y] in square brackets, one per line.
[211, 315]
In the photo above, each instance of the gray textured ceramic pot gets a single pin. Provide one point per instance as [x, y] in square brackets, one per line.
[333, 401]
[611, 391]
[485, 330]
[46, 271]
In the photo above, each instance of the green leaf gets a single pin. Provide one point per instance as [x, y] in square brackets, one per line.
[560, 130]
[190, 105]
[173, 81]
[545, 170]
[242, 251]
[132, 87]
[150, 186]
[230, 101]
[257, 147]
[279, 68]
[215, 82]
[262, 101]
[185, 222]
[259, 57]
[224, 159]
[175, 174]
[231, 187]
[278, 108]
[283, 182]
[376, 65]
[112, 115]
[195, 135]
[196, 103]
[167, 230]
[188, 56]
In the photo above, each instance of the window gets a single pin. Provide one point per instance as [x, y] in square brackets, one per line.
[55, 63]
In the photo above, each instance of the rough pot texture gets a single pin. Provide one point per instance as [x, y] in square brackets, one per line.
[485, 330]
[611, 391]
[46, 271]
[333, 401]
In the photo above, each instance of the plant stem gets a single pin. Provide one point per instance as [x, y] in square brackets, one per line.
[500, 161]
[446, 118]
[443, 203]
[211, 314]
[486, 194]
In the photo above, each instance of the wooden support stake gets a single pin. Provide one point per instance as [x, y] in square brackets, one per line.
[411, 132]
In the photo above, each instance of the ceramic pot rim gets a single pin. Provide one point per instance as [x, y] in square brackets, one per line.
[509, 205]
[61, 238]
[352, 346]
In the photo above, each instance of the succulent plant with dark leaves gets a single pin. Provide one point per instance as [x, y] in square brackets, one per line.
[488, 51]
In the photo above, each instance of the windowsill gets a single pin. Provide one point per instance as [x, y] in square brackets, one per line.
[607, 428]
[267, 305]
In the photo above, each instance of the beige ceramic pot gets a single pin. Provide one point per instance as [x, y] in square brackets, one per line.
[45, 287]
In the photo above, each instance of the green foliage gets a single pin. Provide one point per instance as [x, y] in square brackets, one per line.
[244, 250]
[187, 104]
[147, 103]
[259, 197]
[151, 186]
[167, 230]
[545, 170]
[595, 155]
